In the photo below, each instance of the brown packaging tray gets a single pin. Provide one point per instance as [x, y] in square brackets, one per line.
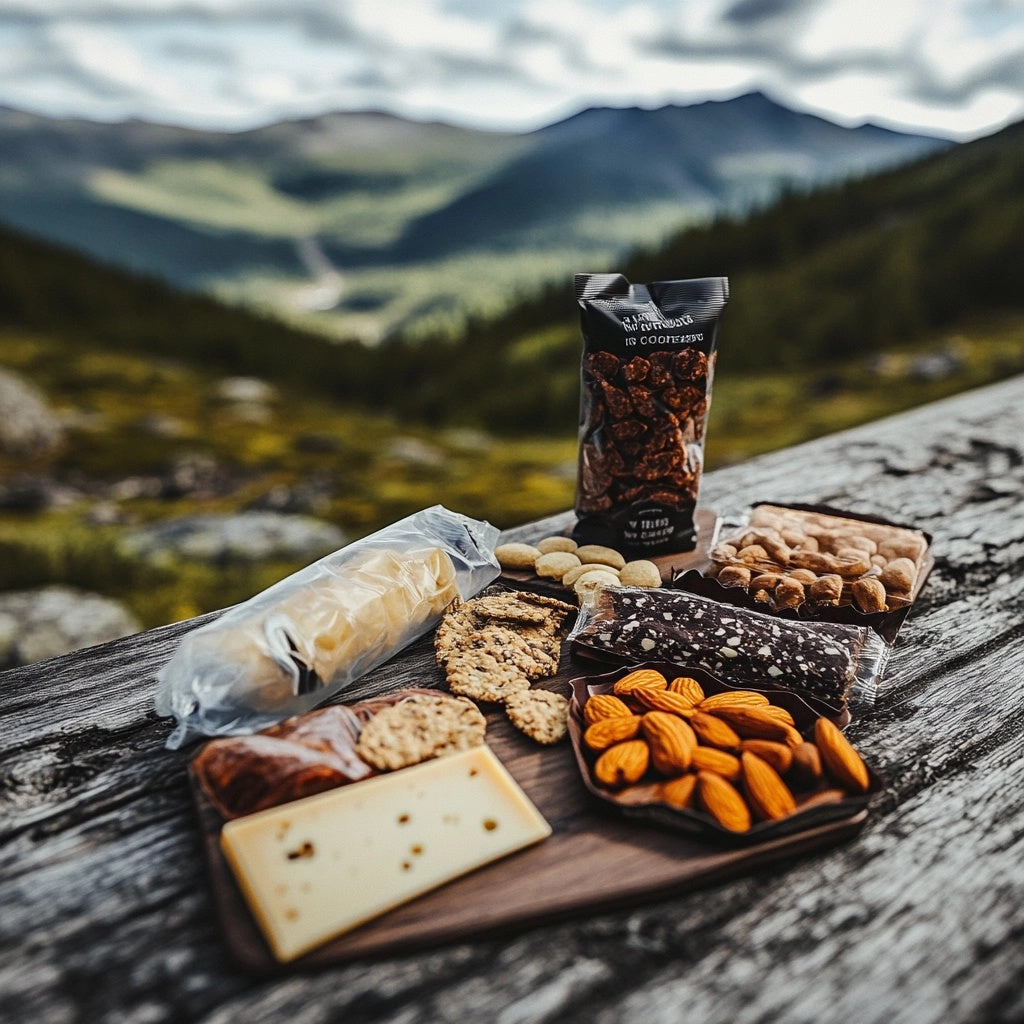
[886, 624]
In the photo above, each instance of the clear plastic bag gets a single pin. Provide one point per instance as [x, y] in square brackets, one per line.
[311, 635]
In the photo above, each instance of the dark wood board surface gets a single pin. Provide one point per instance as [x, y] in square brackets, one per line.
[577, 869]
[108, 917]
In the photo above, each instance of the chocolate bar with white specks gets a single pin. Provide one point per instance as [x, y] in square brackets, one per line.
[822, 660]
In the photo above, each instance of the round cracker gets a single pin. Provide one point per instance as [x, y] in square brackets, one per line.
[570, 578]
[596, 579]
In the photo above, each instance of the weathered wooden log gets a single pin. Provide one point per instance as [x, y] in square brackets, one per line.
[105, 912]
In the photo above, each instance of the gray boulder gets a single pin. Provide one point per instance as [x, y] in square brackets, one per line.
[48, 621]
[28, 426]
[245, 537]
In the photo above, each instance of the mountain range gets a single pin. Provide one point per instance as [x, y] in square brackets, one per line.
[360, 224]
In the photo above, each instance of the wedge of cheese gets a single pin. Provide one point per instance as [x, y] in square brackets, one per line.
[318, 867]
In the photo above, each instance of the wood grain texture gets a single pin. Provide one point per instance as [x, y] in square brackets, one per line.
[106, 915]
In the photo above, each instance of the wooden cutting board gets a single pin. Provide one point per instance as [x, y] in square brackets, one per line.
[594, 860]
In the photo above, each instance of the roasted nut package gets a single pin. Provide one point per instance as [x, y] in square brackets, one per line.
[312, 634]
[788, 557]
[646, 372]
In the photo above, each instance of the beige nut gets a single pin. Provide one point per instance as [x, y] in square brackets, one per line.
[804, 576]
[516, 555]
[640, 573]
[549, 544]
[898, 576]
[826, 589]
[570, 578]
[600, 554]
[869, 594]
[555, 564]
[752, 554]
[734, 576]
[789, 593]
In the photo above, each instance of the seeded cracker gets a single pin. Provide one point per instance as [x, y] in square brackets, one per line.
[481, 676]
[492, 646]
[529, 649]
[540, 714]
[420, 728]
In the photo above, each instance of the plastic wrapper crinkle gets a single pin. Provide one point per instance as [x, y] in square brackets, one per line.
[826, 661]
[309, 636]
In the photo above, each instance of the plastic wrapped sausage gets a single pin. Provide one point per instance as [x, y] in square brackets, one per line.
[826, 661]
[296, 644]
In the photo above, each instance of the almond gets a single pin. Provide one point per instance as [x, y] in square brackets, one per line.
[806, 766]
[689, 688]
[723, 802]
[623, 763]
[604, 705]
[780, 714]
[839, 758]
[604, 733]
[671, 740]
[778, 755]
[638, 678]
[733, 699]
[711, 759]
[663, 700]
[769, 797]
[791, 737]
[679, 791]
[755, 723]
[713, 731]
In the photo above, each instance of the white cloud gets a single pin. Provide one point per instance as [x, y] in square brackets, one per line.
[955, 68]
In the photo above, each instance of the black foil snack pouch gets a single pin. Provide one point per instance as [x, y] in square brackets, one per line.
[645, 384]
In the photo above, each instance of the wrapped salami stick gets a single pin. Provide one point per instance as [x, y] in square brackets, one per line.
[829, 662]
[296, 644]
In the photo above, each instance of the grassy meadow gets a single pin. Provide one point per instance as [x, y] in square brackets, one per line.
[130, 418]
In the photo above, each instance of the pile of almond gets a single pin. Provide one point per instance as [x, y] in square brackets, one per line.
[734, 755]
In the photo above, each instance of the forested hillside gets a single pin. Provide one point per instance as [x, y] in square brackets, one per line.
[845, 271]
[52, 291]
[816, 278]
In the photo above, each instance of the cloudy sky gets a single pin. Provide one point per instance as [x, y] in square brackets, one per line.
[948, 67]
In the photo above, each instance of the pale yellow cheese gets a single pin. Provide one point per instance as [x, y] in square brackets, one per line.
[317, 867]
